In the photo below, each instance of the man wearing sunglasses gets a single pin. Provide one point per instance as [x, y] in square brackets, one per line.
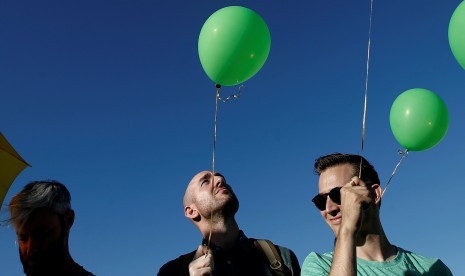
[350, 206]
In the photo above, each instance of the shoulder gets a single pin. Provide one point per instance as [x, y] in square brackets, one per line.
[317, 257]
[288, 257]
[86, 273]
[423, 263]
[284, 251]
[316, 263]
[177, 266]
[81, 272]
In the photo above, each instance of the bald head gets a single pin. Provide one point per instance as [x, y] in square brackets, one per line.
[206, 196]
[187, 199]
[197, 180]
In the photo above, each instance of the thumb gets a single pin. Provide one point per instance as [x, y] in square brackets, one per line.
[202, 250]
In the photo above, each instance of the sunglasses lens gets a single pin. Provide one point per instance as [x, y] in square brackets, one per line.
[320, 202]
[335, 195]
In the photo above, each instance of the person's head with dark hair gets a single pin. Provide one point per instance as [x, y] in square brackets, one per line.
[337, 170]
[42, 217]
[368, 172]
[48, 194]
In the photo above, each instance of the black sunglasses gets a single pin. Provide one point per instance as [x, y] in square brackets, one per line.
[320, 199]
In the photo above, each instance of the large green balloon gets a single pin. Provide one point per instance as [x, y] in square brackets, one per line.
[419, 119]
[233, 45]
[457, 34]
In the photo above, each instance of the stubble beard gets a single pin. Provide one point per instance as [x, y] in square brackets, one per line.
[52, 260]
[221, 207]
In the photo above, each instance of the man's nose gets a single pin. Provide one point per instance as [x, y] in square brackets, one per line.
[331, 206]
[32, 245]
[219, 181]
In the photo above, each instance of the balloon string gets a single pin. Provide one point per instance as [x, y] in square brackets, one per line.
[233, 96]
[403, 154]
[217, 98]
[366, 89]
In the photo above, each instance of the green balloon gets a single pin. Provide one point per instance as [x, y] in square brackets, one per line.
[419, 119]
[457, 34]
[233, 45]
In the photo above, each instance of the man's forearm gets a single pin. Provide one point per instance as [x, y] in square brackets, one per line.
[345, 258]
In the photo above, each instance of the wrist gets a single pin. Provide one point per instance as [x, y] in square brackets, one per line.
[347, 232]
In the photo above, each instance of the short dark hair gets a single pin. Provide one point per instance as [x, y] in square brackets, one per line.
[368, 175]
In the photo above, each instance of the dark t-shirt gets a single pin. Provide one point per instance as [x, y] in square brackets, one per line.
[80, 271]
[242, 259]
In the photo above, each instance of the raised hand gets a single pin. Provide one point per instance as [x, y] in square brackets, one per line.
[202, 264]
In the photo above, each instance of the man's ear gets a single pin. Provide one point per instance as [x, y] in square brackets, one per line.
[191, 212]
[69, 219]
[376, 193]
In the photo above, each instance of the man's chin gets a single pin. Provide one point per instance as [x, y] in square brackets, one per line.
[37, 268]
[32, 270]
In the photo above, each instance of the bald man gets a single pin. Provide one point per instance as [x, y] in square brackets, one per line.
[211, 205]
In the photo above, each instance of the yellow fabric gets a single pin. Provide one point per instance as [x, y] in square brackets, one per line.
[11, 164]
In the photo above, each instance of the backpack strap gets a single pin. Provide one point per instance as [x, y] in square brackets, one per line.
[273, 258]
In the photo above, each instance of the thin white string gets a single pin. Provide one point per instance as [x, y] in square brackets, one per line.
[403, 154]
[366, 89]
[217, 98]
[233, 96]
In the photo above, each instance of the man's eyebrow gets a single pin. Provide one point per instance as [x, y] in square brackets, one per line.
[206, 176]
[219, 174]
[209, 176]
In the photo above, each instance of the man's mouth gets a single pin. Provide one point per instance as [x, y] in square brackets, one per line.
[221, 189]
[34, 262]
[336, 220]
[35, 259]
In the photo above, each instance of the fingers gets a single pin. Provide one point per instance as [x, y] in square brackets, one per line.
[355, 198]
[199, 252]
[357, 191]
[205, 271]
[203, 262]
[355, 181]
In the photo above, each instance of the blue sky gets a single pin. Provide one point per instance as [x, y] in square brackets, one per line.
[109, 97]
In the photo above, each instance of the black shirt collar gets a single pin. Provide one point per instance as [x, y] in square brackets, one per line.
[241, 243]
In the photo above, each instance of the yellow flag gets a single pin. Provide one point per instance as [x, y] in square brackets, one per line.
[11, 164]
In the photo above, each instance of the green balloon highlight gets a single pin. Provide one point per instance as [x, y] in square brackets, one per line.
[457, 34]
[234, 43]
[419, 119]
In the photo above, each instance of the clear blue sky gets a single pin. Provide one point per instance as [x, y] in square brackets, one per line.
[109, 97]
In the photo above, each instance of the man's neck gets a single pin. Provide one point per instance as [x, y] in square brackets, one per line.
[71, 267]
[223, 234]
[375, 247]
[372, 243]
